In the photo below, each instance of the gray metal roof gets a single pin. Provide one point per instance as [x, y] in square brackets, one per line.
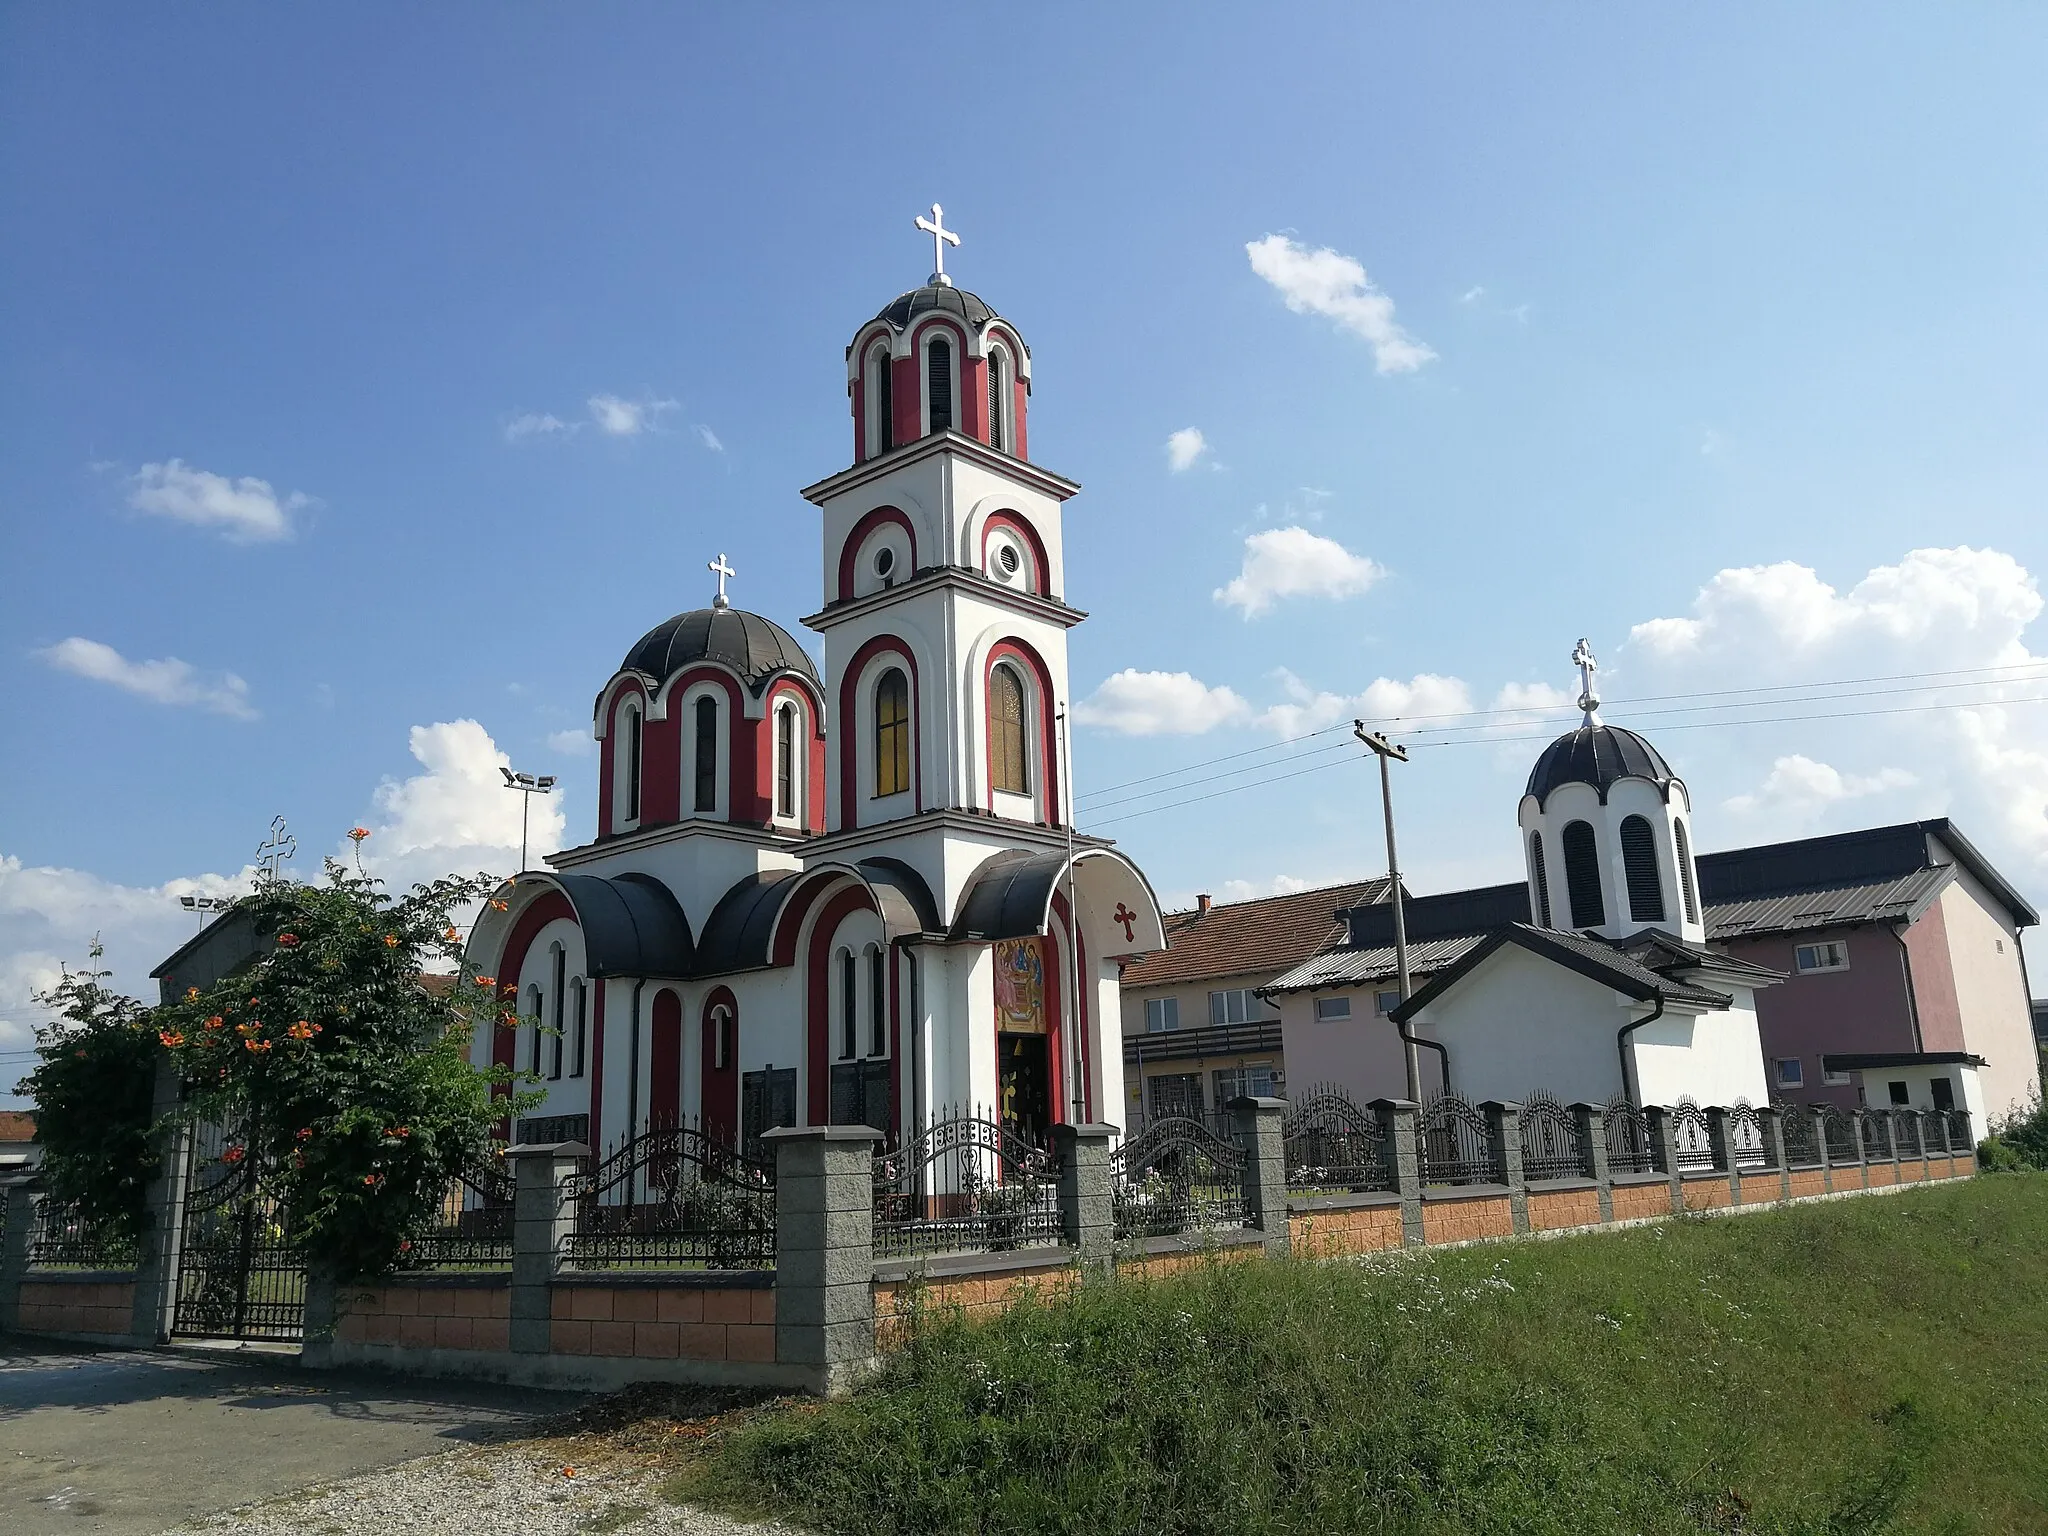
[754, 647]
[1362, 967]
[1900, 898]
[1598, 755]
[1594, 958]
[632, 925]
[935, 298]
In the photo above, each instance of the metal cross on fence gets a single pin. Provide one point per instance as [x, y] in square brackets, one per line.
[274, 850]
[935, 226]
[722, 571]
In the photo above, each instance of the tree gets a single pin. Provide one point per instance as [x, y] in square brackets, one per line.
[340, 1070]
[94, 1087]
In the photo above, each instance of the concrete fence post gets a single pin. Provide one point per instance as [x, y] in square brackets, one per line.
[1770, 1120]
[1087, 1202]
[1400, 1123]
[1819, 1115]
[543, 1221]
[1262, 1138]
[1721, 1146]
[1590, 1120]
[1968, 1140]
[163, 1235]
[825, 1253]
[1663, 1126]
[23, 1197]
[1504, 1151]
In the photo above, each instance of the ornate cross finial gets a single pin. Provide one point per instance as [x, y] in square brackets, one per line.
[1127, 918]
[935, 226]
[274, 850]
[1589, 701]
[721, 570]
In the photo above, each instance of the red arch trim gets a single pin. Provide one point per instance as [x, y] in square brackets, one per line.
[718, 1098]
[818, 998]
[526, 928]
[665, 1060]
[849, 552]
[1041, 576]
[608, 754]
[1016, 650]
[851, 735]
[813, 766]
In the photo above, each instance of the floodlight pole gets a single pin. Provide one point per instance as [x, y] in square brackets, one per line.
[1387, 751]
[528, 786]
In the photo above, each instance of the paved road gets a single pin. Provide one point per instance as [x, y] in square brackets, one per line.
[134, 1443]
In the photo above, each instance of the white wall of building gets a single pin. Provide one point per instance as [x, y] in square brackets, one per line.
[1991, 993]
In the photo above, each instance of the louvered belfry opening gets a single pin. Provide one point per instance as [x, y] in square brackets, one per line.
[938, 381]
[885, 403]
[1542, 879]
[1582, 876]
[1639, 863]
[995, 400]
[705, 767]
[1685, 874]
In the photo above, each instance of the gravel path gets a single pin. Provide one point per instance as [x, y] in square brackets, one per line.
[479, 1491]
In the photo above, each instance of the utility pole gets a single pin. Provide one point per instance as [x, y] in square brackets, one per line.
[529, 786]
[1387, 751]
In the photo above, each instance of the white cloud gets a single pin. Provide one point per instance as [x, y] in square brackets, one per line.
[1185, 448]
[1136, 703]
[459, 806]
[1329, 283]
[169, 681]
[1799, 784]
[628, 418]
[246, 511]
[709, 438]
[1472, 295]
[571, 743]
[539, 424]
[1282, 563]
[1937, 611]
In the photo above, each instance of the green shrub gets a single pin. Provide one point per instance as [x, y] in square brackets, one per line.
[2024, 1133]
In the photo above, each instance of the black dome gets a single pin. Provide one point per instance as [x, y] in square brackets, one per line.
[752, 646]
[934, 298]
[1597, 755]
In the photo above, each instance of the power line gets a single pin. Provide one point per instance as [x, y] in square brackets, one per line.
[1227, 773]
[1271, 746]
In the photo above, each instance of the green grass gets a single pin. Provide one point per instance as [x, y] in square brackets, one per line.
[1877, 1364]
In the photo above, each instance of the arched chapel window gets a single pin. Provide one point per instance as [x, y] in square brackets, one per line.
[721, 1038]
[1639, 864]
[995, 398]
[580, 1039]
[878, 1002]
[533, 1009]
[704, 796]
[881, 428]
[1009, 768]
[849, 1006]
[560, 976]
[892, 733]
[634, 734]
[938, 383]
[1685, 875]
[1541, 878]
[1582, 876]
[785, 761]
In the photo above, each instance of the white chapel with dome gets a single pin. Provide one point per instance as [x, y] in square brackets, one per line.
[852, 895]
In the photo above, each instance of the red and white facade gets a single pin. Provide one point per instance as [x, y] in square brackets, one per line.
[853, 896]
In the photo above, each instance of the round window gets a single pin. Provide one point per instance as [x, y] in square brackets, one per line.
[1007, 559]
[885, 561]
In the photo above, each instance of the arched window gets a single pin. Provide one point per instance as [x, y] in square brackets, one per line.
[1582, 876]
[1541, 878]
[1009, 768]
[995, 398]
[704, 768]
[882, 426]
[560, 977]
[938, 383]
[849, 1006]
[1639, 863]
[533, 1007]
[580, 1037]
[878, 1002]
[785, 761]
[634, 735]
[892, 733]
[721, 1038]
[1685, 875]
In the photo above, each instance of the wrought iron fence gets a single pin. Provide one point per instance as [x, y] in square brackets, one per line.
[1454, 1145]
[1958, 1129]
[1747, 1145]
[1838, 1135]
[673, 1198]
[964, 1184]
[1628, 1138]
[1934, 1132]
[1176, 1176]
[472, 1224]
[1795, 1126]
[240, 1275]
[1875, 1126]
[1332, 1144]
[1695, 1151]
[64, 1237]
[1550, 1140]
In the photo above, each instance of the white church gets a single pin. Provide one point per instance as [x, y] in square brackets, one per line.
[856, 897]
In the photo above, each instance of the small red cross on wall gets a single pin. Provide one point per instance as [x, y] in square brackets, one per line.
[1127, 917]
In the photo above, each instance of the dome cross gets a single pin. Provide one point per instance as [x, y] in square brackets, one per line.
[1589, 701]
[721, 570]
[942, 237]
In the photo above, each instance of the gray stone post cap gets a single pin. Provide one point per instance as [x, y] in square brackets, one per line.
[1582, 1104]
[548, 1149]
[1064, 1132]
[1502, 1104]
[1393, 1104]
[822, 1133]
[1253, 1102]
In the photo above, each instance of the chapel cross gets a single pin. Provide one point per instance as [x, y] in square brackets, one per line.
[1128, 918]
[721, 570]
[274, 850]
[1589, 701]
[942, 237]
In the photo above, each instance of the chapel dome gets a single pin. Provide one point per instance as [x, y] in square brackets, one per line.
[754, 647]
[1597, 755]
[936, 298]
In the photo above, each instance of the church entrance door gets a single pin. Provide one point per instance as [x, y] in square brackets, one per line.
[1025, 1084]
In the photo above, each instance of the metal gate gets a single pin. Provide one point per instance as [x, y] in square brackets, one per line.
[238, 1275]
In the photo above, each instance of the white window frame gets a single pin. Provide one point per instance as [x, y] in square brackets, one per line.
[1796, 1078]
[958, 343]
[1829, 955]
[623, 714]
[721, 769]
[1252, 1005]
[1004, 377]
[721, 1045]
[1162, 1015]
[1333, 1010]
[787, 704]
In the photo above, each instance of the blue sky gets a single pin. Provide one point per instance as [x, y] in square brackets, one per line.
[1686, 297]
